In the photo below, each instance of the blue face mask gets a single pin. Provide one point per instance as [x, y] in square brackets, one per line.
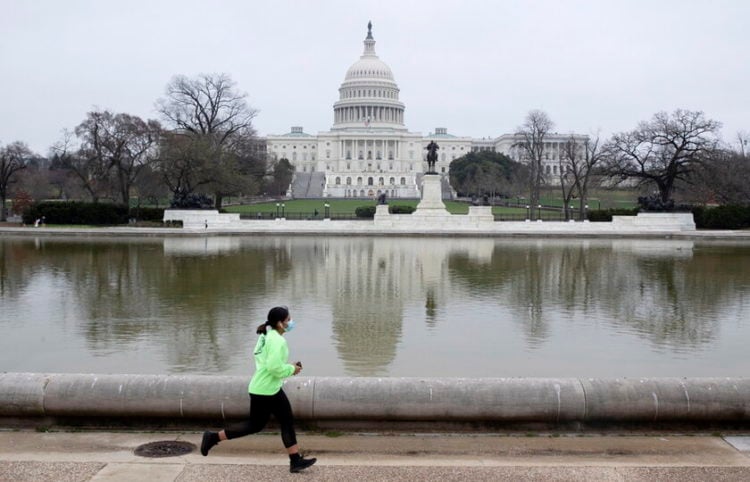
[290, 326]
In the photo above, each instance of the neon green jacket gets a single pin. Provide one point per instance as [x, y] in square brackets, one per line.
[271, 367]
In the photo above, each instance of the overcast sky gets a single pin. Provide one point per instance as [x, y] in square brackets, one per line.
[475, 67]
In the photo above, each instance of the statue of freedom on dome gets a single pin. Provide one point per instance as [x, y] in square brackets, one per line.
[432, 149]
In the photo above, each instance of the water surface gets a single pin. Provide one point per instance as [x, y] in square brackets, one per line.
[377, 306]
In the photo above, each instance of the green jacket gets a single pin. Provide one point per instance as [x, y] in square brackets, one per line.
[271, 367]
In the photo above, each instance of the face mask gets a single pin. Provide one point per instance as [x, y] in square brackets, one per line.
[290, 326]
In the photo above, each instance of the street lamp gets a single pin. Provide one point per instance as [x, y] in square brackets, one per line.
[586, 212]
[277, 209]
[539, 212]
[282, 209]
[327, 210]
[528, 212]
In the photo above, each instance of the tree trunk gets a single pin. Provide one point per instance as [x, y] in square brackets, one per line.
[218, 200]
[3, 212]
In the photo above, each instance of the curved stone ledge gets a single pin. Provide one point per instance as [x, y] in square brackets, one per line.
[501, 400]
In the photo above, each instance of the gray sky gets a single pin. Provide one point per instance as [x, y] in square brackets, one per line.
[475, 67]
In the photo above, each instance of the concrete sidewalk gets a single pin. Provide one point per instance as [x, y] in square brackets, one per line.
[100, 456]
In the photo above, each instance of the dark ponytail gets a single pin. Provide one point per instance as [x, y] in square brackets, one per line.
[275, 315]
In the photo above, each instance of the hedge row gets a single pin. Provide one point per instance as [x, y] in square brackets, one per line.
[605, 215]
[98, 214]
[722, 217]
[369, 211]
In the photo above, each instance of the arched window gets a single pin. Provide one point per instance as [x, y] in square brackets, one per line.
[369, 181]
[403, 181]
[392, 181]
[359, 181]
[338, 181]
[348, 181]
[362, 193]
[380, 181]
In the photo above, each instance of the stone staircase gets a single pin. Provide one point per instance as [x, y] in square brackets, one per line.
[308, 185]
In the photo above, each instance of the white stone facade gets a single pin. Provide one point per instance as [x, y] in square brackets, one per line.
[369, 150]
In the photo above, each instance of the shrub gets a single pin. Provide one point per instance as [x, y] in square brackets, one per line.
[147, 214]
[605, 215]
[722, 217]
[22, 202]
[400, 209]
[76, 212]
[365, 212]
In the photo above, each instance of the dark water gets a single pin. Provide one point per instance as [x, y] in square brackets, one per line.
[377, 306]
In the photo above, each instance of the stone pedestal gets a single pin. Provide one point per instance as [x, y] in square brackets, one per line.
[432, 198]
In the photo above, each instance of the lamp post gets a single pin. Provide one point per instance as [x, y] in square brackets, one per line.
[277, 209]
[585, 212]
[282, 209]
[327, 210]
[528, 212]
[539, 212]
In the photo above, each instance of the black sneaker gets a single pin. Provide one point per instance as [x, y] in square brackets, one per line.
[301, 464]
[209, 440]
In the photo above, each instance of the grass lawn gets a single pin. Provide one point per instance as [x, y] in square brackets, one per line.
[347, 206]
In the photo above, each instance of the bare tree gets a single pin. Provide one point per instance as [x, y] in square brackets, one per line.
[743, 138]
[580, 157]
[210, 112]
[725, 178]
[122, 145]
[532, 136]
[662, 151]
[90, 170]
[568, 160]
[13, 158]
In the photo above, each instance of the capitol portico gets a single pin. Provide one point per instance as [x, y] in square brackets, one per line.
[369, 149]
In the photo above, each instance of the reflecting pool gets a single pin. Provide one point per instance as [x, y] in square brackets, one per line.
[377, 306]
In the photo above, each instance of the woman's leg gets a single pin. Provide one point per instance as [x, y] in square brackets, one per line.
[260, 411]
[282, 410]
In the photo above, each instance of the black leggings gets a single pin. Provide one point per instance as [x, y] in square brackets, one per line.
[261, 408]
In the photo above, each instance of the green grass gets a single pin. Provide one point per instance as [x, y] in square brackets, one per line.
[347, 206]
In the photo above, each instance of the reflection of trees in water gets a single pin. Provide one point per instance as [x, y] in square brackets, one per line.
[130, 293]
[659, 290]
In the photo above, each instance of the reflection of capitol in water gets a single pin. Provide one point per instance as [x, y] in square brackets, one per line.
[368, 282]
[383, 306]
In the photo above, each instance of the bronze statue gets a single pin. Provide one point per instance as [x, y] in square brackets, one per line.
[432, 149]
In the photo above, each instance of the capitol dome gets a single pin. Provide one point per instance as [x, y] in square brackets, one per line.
[368, 97]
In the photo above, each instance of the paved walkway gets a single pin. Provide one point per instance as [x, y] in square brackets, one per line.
[99, 456]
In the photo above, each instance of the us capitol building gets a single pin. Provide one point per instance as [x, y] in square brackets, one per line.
[369, 149]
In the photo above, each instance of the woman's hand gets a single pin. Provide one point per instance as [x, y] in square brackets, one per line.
[297, 368]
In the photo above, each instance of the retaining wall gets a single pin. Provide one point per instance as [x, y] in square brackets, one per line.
[498, 401]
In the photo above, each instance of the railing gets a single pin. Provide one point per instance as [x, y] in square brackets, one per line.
[544, 215]
[301, 216]
[552, 216]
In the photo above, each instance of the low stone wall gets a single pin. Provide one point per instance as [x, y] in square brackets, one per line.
[437, 222]
[498, 401]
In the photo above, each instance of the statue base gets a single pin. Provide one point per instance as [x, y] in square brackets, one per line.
[432, 197]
